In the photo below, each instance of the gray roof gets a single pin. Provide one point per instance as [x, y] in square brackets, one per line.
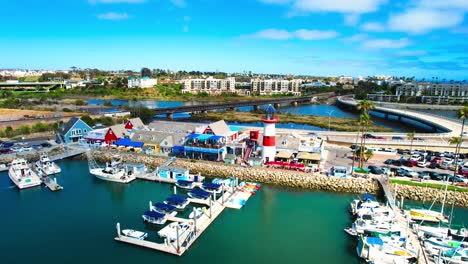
[284, 141]
[220, 128]
[67, 126]
[174, 127]
[136, 122]
[150, 136]
[119, 130]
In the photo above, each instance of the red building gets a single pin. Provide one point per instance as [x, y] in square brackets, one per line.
[104, 135]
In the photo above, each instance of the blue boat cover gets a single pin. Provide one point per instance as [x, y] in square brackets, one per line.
[200, 192]
[374, 241]
[154, 214]
[128, 143]
[192, 136]
[164, 207]
[368, 196]
[210, 185]
[216, 137]
[177, 199]
[183, 182]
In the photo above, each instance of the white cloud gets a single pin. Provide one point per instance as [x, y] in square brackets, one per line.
[276, 2]
[410, 53]
[179, 3]
[351, 19]
[444, 4]
[113, 16]
[338, 6]
[303, 34]
[419, 21]
[386, 43]
[355, 38]
[116, 1]
[373, 27]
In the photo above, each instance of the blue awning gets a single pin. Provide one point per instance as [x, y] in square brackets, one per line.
[184, 182]
[154, 214]
[374, 241]
[204, 137]
[368, 196]
[216, 137]
[209, 185]
[128, 143]
[192, 136]
[177, 199]
[201, 193]
[164, 207]
[178, 148]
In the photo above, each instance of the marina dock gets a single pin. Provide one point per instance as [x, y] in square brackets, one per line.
[51, 183]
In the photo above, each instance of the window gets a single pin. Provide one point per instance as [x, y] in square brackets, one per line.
[284, 143]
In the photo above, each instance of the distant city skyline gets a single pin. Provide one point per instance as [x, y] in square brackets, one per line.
[421, 38]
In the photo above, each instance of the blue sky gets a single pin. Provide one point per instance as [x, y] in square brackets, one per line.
[421, 38]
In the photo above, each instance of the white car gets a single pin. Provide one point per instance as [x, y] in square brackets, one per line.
[448, 160]
[422, 164]
[17, 149]
[27, 148]
[415, 157]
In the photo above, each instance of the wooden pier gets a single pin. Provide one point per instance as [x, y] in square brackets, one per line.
[51, 183]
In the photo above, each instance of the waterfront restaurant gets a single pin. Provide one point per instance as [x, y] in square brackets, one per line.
[205, 146]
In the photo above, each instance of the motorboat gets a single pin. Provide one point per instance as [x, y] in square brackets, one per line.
[178, 201]
[46, 167]
[367, 201]
[350, 231]
[363, 226]
[375, 250]
[134, 234]
[435, 245]
[380, 213]
[114, 172]
[211, 187]
[163, 208]
[431, 231]
[196, 213]
[184, 184]
[426, 215]
[461, 235]
[170, 231]
[199, 194]
[22, 175]
[155, 217]
[453, 256]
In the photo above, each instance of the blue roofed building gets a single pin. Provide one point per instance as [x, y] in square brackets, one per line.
[72, 131]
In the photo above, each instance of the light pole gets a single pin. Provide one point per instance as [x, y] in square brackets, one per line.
[329, 116]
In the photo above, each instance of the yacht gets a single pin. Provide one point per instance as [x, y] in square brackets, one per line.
[114, 172]
[184, 184]
[199, 194]
[22, 175]
[163, 208]
[135, 234]
[46, 167]
[375, 250]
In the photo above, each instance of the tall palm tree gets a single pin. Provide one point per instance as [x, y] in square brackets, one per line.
[463, 114]
[355, 150]
[457, 141]
[411, 138]
[364, 106]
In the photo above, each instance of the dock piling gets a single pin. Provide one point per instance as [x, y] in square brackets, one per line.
[118, 229]
[177, 236]
[150, 205]
[175, 190]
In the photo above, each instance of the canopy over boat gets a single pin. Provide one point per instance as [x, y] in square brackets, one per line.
[184, 183]
[368, 197]
[211, 186]
[200, 193]
[154, 214]
[164, 207]
[374, 241]
[177, 199]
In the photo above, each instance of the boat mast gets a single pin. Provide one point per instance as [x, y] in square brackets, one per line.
[445, 195]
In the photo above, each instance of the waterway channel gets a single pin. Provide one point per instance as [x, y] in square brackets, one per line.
[77, 224]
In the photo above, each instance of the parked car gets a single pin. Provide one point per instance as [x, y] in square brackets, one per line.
[379, 137]
[433, 165]
[415, 157]
[409, 172]
[455, 179]
[36, 146]
[445, 175]
[418, 139]
[27, 148]
[409, 163]
[424, 175]
[368, 136]
[397, 171]
[5, 151]
[388, 162]
[435, 176]
[375, 170]
[17, 149]
[7, 144]
[422, 164]
[397, 162]
[397, 138]
[46, 145]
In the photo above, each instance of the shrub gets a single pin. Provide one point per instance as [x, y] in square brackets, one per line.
[68, 110]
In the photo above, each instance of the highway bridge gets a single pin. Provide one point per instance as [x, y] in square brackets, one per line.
[447, 126]
[232, 105]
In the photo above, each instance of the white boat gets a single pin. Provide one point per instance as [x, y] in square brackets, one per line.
[184, 184]
[134, 234]
[47, 167]
[350, 231]
[455, 256]
[170, 231]
[375, 250]
[431, 231]
[114, 172]
[362, 226]
[178, 201]
[426, 215]
[211, 187]
[196, 213]
[367, 201]
[155, 217]
[22, 175]
[435, 245]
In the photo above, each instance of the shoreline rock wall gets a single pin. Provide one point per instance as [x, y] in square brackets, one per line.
[428, 195]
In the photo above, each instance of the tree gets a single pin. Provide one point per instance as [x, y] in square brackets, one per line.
[463, 114]
[368, 154]
[457, 141]
[145, 72]
[411, 138]
[79, 102]
[9, 131]
[23, 130]
[39, 127]
[88, 120]
[364, 106]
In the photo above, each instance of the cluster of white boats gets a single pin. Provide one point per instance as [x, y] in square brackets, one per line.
[25, 175]
[382, 239]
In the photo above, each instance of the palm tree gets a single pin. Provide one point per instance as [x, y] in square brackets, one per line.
[411, 137]
[463, 114]
[368, 154]
[457, 141]
[365, 106]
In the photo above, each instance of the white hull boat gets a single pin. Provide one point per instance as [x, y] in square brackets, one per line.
[196, 213]
[22, 175]
[47, 167]
[134, 234]
[120, 177]
[170, 231]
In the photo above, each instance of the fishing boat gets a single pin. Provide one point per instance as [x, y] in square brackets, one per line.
[178, 201]
[155, 217]
[170, 231]
[196, 213]
[163, 208]
[375, 250]
[211, 187]
[22, 175]
[184, 184]
[46, 167]
[199, 194]
[114, 172]
[135, 234]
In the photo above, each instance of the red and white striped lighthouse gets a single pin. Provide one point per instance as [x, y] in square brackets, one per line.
[269, 134]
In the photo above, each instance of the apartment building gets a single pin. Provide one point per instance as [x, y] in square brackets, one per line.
[209, 85]
[275, 86]
[144, 82]
[433, 89]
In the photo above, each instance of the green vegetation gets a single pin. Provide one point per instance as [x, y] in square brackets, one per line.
[9, 132]
[430, 185]
[104, 120]
[336, 123]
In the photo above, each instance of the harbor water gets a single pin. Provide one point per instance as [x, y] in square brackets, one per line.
[77, 224]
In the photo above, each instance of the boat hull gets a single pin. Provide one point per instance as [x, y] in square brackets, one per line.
[119, 177]
[33, 181]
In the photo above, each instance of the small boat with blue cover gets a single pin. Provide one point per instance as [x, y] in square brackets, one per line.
[199, 194]
[184, 184]
[154, 217]
[178, 201]
[211, 187]
[163, 208]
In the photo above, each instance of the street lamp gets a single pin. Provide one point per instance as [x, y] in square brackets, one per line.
[329, 116]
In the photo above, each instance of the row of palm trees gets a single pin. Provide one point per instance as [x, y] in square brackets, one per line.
[365, 106]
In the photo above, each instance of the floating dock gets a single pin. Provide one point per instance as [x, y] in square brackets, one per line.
[51, 183]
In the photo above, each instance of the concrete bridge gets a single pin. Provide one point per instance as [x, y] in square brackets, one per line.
[447, 126]
[30, 86]
[232, 105]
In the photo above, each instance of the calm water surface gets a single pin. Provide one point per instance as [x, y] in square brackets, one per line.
[77, 224]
